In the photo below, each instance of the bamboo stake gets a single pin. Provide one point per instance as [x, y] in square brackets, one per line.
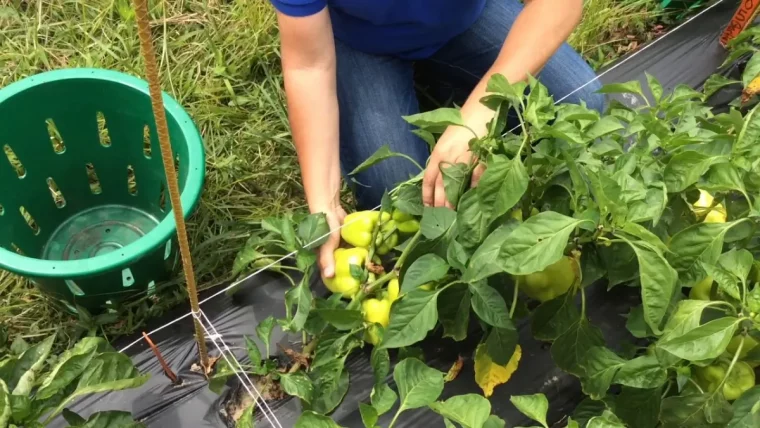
[151, 71]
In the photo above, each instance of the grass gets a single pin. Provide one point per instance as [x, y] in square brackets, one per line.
[219, 59]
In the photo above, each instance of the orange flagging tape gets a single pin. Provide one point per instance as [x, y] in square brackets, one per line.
[741, 19]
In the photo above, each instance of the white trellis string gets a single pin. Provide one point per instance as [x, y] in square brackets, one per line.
[249, 387]
[234, 284]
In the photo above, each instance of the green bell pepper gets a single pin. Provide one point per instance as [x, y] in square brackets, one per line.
[741, 378]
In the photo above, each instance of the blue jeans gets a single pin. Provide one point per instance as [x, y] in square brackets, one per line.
[374, 92]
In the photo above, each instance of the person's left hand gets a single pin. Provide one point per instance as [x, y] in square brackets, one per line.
[451, 148]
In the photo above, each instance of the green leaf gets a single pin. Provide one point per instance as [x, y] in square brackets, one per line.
[533, 406]
[427, 268]
[426, 136]
[751, 70]
[654, 86]
[329, 393]
[570, 348]
[253, 353]
[511, 91]
[380, 155]
[455, 180]
[309, 419]
[502, 185]
[485, 261]
[73, 418]
[412, 318]
[468, 410]
[494, 421]
[21, 407]
[606, 420]
[264, 331]
[643, 372]
[383, 398]
[651, 208]
[340, 318]
[409, 200]
[313, 231]
[70, 365]
[454, 311]
[537, 243]
[299, 296]
[109, 371]
[418, 384]
[638, 408]
[600, 365]
[457, 256]
[489, 305]
[297, 384]
[369, 415]
[246, 419]
[381, 364]
[723, 177]
[604, 126]
[716, 82]
[746, 410]
[685, 168]
[632, 87]
[565, 131]
[738, 262]
[727, 281]
[705, 342]
[222, 372]
[501, 344]
[587, 409]
[658, 281]
[750, 132]
[110, 419]
[697, 244]
[5, 404]
[436, 221]
[692, 410]
[471, 220]
[436, 121]
[554, 317]
[29, 364]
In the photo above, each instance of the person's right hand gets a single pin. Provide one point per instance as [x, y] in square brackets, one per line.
[326, 260]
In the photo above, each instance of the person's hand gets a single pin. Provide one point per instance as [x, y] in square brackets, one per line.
[335, 215]
[452, 148]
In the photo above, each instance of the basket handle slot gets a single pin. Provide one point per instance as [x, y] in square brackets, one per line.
[29, 220]
[92, 178]
[14, 161]
[17, 249]
[103, 135]
[147, 148]
[162, 198]
[55, 192]
[131, 180]
[59, 147]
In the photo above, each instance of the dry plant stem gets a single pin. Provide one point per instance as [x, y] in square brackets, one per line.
[167, 370]
[306, 351]
[151, 71]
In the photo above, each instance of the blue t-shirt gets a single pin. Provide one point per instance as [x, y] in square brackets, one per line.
[411, 29]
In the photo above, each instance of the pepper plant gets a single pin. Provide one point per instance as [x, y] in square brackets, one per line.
[664, 198]
[36, 387]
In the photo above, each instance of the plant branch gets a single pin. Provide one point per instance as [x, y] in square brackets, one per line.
[514, 300]
[306, 351]
[405, 254]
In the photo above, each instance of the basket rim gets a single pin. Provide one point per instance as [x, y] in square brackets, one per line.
[72, 269]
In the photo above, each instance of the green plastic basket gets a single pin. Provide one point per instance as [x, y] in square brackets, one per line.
[84, 210]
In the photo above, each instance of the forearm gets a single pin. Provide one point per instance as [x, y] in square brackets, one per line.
[309, 70]
[313, 112]
[537, 33]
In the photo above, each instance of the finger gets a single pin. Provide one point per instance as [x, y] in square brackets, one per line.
[428, 182]
[326, 257]
[440, 192]
[476, 174]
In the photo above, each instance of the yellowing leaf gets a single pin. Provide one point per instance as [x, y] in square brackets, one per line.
[488, 374]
